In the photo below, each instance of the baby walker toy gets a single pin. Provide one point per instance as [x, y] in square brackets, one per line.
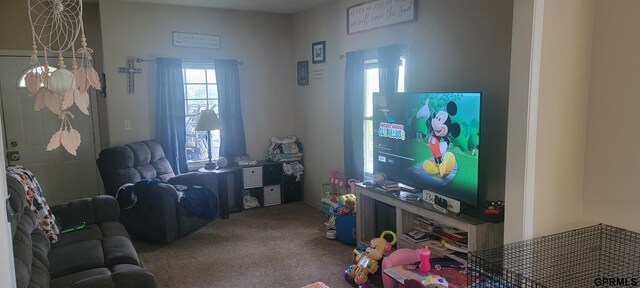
[367, 261]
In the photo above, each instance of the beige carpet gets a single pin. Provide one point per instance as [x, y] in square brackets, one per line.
[279, 246]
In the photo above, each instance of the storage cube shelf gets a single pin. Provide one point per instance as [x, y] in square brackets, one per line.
[266, 181]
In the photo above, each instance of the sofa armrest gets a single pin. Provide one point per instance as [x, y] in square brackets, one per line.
[153, 217]
[90, 210]
[206, 180]
[129, 276]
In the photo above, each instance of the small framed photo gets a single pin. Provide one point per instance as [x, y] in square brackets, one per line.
[303, 73]
[318, 52]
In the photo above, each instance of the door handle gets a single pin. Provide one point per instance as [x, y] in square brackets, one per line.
[13, 156]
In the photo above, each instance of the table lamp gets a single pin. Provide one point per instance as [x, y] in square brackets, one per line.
[208, 121]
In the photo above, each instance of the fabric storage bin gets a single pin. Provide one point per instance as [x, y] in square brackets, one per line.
[346, 228]
[272, 195]
[252, 177]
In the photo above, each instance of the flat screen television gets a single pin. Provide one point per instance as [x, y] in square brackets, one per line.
[430, 141]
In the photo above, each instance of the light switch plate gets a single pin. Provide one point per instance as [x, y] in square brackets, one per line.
[127, 124]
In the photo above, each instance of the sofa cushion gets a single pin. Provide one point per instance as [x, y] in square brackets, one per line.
[22, 247]
[68, 280]
[119, 250]
[75, 257]
[112, 228]
[90, 232]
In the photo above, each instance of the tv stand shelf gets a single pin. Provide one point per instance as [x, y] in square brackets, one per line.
[482, 234]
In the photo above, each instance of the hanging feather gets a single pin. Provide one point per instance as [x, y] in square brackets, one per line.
[69, 98]
[32, 82]
[82, 100]
[81, 79]
[40, 98]
[53, 102]
[55, 141]
[94, 78]
[71, 140]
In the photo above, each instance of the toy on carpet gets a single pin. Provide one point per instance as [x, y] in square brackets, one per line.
[367, 261]
[435, 281]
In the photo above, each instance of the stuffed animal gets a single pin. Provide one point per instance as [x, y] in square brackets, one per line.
[367, 261]
[346, 204]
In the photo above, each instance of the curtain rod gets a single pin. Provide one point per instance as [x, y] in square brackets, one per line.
[140, 60]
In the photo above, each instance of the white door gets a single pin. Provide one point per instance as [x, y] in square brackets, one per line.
[63, 177]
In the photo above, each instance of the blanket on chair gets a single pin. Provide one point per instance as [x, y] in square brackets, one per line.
[198, 200]
[36, 200]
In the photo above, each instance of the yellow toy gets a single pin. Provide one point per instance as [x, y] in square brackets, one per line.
[367, 261]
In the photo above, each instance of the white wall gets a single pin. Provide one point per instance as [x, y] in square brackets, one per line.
[454, 45]
[7, 273]
[562, 126]
[525, 73]
[261, 40]
[611, 181]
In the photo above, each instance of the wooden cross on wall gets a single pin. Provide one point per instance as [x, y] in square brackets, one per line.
[131, 71]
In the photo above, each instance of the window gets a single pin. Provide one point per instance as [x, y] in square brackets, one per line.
[372, 85]
[22, 83]
[201, 93]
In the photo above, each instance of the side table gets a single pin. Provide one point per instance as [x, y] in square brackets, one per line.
[229, 181]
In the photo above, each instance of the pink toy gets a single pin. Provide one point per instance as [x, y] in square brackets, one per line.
[400, 257]
[352, 185]
[425, 264]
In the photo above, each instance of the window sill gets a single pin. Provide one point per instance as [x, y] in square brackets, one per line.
[195, 166]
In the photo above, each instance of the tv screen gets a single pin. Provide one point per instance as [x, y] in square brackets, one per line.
[429, 141]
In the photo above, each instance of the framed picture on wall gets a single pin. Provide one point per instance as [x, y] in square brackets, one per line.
[303, 73]
[318, 52]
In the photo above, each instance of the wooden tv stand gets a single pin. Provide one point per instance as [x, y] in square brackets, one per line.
[482, 234]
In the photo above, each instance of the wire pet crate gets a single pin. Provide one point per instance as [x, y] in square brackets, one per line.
[587, 257]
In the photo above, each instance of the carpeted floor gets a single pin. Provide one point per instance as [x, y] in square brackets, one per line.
[279, 246]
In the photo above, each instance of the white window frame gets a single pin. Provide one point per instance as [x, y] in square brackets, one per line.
[372, 63]
[211, 102]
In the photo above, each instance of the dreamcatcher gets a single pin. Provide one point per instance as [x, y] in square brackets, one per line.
[55, 25]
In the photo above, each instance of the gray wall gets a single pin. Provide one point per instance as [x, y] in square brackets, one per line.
[455, 45]
[261, 40]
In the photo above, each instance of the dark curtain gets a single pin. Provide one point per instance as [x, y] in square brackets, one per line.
[388, 65]
[170, 118]
[232, 140]
[353, 115]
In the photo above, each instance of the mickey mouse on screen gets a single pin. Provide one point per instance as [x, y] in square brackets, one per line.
[441, 127]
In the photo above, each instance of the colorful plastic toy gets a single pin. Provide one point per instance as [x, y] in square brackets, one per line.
[400, 257]
[367, 262]
[346, 204]
[494, 207]
[435, 281]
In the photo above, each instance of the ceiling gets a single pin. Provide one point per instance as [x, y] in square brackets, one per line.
[273, 6]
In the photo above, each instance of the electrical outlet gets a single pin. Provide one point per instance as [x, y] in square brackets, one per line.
[127, 124]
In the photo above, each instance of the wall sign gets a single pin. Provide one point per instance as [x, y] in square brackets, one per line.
[380, 13]
[195, 40]
[303, 73]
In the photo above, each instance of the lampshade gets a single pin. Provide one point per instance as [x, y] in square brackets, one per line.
[207, 121]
